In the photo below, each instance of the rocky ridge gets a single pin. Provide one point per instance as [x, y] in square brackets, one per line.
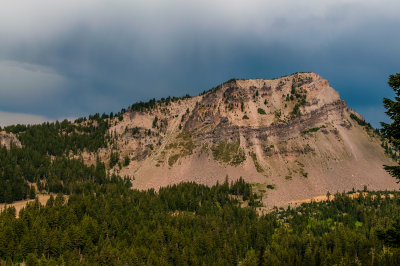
[292, 137]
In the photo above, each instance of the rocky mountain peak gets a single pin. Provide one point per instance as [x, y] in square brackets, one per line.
[293, 134]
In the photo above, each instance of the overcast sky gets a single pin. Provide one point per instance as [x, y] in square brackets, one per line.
[72, 58]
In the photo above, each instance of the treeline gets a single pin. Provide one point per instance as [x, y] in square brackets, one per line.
[21, 168]
[151, 104]
[44, 158]
[60, 138]
[191, 224]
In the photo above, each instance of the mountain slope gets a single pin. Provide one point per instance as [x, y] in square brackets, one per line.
[293, 134]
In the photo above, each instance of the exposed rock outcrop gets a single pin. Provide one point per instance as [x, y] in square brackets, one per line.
[293, 132]
[8, 139]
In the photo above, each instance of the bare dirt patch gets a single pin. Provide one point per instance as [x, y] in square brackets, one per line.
[18, 205]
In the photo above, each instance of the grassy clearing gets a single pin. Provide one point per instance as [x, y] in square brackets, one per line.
[229, 152]
[183, 147]
[173, 159]
[256, 163]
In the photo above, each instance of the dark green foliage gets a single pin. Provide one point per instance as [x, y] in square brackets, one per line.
[393, 170]
[143, 106]
[135, 131]
[296, 110]
[300, 98]
[391, 235]
[112, 224]
[245, 117]
[360, 121]
[311, 130]
[188, 223]
[32, 192]
[394, 82]
[126, 160]
[13, 168]
[60, 174]
[60, 138]
[293, 90]
[114, 159]
[151, 104]
[392, 131]
[155, 122]
[261, 111]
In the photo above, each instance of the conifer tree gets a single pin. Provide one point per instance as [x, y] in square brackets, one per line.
[392, 131]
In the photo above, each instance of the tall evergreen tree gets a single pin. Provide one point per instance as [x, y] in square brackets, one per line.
[392, 131]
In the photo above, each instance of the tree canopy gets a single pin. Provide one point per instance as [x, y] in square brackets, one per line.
[392, 131]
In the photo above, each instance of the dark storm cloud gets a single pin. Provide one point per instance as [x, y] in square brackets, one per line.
[79, 57]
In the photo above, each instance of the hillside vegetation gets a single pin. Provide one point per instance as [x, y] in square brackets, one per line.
[132, 199]
[191, 224]
[293, 133]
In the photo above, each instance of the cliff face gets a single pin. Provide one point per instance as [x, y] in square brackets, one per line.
[293, 133]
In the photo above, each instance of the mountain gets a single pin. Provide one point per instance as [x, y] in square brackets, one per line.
[292, 138]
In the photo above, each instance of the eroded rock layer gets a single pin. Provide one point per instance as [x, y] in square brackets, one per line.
[293, 137]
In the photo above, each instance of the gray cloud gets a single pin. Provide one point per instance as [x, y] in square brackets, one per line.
[24, 85]
[7, 119]
[100, 55]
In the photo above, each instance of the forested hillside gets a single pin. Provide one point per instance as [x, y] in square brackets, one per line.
[44, 159]
[191, 224]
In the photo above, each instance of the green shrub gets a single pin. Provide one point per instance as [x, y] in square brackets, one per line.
[296, 110]
[314, 129]
[261, 111]
[360, 121]
[126, 160]
[155, 122]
